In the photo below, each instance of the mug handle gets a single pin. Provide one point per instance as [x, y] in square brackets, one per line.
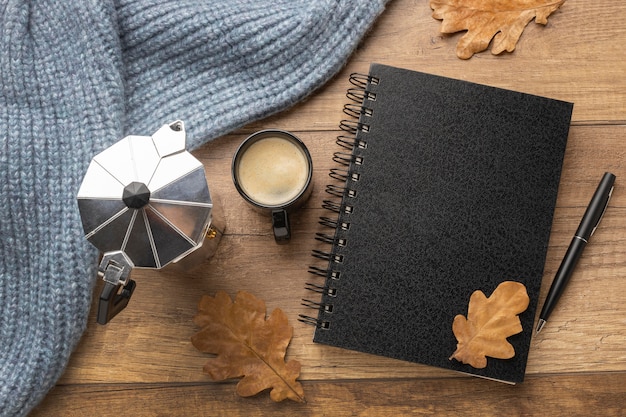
[280, 225]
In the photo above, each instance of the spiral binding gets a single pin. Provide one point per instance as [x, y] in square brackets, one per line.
[346, 176]
[356, 110]
[362, 80]
[353, 127]
[349, 142]
[347, 159]
[336, 207]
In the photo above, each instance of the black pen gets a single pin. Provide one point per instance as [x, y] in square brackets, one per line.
[588, 225]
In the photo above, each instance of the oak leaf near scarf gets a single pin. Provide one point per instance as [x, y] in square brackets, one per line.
[484, 20]
[248, 345]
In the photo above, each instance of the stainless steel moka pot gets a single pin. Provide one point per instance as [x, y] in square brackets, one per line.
[145, 203]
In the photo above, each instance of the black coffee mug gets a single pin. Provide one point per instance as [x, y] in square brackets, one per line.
[272, 170]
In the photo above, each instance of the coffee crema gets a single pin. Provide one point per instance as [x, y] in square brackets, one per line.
[273, 171]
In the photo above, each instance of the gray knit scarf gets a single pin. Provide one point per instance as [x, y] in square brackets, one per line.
[75, 77]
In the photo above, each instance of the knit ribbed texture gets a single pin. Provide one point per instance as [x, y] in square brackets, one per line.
[75, 77]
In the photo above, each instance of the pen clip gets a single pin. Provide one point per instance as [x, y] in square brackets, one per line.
[603, 211]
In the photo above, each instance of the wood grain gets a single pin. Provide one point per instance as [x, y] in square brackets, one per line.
[143, 364]
[553, 395]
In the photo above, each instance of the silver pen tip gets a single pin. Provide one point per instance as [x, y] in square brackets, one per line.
[540, 325]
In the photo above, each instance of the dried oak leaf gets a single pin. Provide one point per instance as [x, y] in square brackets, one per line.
[247, 345]
[484, 20]
[489, 322]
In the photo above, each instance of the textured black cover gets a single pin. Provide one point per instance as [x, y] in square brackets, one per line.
[456, 193]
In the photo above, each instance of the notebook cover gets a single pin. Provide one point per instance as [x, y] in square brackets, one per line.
[455, 193]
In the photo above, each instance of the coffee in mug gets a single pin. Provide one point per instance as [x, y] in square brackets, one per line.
[272, 170]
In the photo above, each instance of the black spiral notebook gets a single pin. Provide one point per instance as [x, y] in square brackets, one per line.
[443, 187]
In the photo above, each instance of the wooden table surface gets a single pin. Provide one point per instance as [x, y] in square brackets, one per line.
[143, 363]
